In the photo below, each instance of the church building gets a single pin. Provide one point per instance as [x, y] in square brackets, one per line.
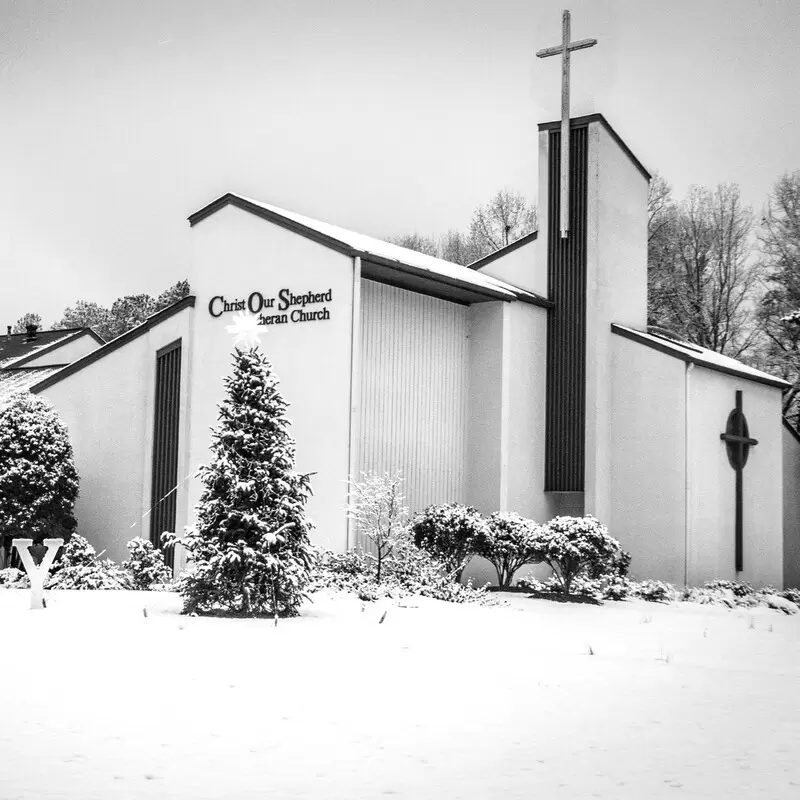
[526, 382]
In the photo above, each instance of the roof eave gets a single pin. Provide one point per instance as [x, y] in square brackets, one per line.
[22, 360]
[582, 122]
[637, 336]
[503, 251]
[114, 344]
[343, 247]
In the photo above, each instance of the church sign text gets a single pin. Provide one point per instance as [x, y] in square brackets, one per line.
[285, 307]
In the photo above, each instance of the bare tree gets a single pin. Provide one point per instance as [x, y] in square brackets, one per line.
[457, 247]
[779, 309]
[504, 219]
[705, 278]
[377, 507]
[414, 241]
[662, 218]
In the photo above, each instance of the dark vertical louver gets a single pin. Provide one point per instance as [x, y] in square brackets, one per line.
[566, 324]
[165, 442]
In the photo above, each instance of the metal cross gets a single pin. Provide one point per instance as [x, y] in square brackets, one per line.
[738, 441]
[564, 50]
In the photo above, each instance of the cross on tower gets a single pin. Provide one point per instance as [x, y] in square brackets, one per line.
[738, 442]
[564, 49]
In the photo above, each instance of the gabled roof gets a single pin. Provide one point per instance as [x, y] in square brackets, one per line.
[134, 333]
[383, 261]
[709, 359]
[16, 350]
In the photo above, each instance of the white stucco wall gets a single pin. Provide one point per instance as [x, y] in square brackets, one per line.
[791, 509]
[107, 407]
[66, 353]
[527, 365]
[523, 267]
[505, 465]
[713, 486]
[414, 384]
[653, 431]
[487, 419]
[234, 254]
[616, 291]
[647, 464]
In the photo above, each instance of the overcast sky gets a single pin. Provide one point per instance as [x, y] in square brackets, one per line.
[119, 119]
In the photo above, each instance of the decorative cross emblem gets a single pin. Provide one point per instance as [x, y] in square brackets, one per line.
[738, 442]
[564, 49]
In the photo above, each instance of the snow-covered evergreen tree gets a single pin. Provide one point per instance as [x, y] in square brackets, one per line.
[38, 479]
[249, 551]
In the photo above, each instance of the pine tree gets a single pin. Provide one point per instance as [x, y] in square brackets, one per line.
[250, 550]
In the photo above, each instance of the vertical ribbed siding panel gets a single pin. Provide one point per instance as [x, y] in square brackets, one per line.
[414, 364]
[566, 326]
[166, 415]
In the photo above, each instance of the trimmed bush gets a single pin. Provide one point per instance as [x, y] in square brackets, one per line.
[451, 533]
[573, 545]
[146, 564]
[508, 544]
[78, 567]
[38, 480]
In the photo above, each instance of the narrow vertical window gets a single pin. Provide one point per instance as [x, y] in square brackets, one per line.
[166, 415]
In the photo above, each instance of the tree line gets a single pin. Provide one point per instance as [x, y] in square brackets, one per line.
[718, 276]
[125, 313]
[724, 279]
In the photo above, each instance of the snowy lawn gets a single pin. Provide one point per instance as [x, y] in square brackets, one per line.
[438, 701]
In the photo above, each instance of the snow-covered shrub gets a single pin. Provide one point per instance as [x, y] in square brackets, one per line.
[146, 564]
[418, 572]
[653, 591]
[451, 533]
[572, 545]
[508, 544]
[618, 588]
[793, 595]
[739, 588]
[249, 551]
[38, 480]
[410, 570]
[346, 572]
[613, 587]
[13, 578]
[377, 507]
[77, 552]
[617, 565]
[79, 567]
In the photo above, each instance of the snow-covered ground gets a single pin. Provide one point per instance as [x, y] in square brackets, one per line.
[438, 701]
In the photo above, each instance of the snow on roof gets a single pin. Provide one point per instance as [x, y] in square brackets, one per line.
[699, 355]
[367, 246]
[394, 252]
[13, 381]
[15, 346]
